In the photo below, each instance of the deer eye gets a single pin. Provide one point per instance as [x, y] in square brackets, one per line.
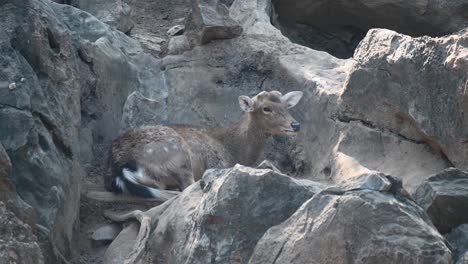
[267, 110]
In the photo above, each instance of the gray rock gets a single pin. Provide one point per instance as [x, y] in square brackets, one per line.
[176, 30]
[266, 164]
[396, 83]
[150, 42]
[444, 196]
[139, 111]
[73, 74]
[18, 244]
[458, 238]
[358, 226]
[220, 218]
[106, 233]
[115, 13]
[367, 181]
[177, 45]
[210, 20]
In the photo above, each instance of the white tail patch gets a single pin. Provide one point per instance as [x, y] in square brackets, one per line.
[134, 176]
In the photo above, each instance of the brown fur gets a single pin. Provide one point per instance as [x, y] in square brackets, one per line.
[173, 157]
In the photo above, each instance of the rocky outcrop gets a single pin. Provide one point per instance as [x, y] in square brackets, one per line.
[220, 218]
[358, 222]
[18, 243]
[115, 13]
[458, 238]
[444, 196]
[400, 84]
[72, 74]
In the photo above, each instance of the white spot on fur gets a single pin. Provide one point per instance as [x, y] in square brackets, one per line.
[150, 151]
[166, 149]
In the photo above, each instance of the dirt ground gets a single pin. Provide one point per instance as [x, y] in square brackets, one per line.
[152, 19]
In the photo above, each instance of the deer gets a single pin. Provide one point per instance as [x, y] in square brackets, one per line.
[158, 161]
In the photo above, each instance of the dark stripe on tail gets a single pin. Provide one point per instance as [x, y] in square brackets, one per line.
[131, 187]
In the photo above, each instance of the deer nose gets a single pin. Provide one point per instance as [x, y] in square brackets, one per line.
[296, 126]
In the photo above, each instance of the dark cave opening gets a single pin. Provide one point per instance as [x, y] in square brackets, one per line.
[338, 26]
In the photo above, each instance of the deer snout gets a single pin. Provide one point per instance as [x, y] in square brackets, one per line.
[296, 126]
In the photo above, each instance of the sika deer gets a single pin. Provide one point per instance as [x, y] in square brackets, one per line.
[146, 161]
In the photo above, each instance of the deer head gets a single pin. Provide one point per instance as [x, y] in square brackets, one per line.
[269, 111]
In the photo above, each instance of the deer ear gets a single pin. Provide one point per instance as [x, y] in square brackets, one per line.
[246, 103]
[292, 98]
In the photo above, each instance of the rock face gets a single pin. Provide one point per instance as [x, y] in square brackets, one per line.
[115, 13]
[18, 243]
[356, 223]
[73, 74]
[444, 196]
[426, 106]
[220, 219]
[458, 238]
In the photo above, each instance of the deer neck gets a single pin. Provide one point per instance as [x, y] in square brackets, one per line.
[244, 141]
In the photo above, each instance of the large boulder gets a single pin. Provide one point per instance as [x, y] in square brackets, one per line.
[220, 218]
[413, 87]
[72, 74]
[210, 20]
[366, 220]
[444, 196]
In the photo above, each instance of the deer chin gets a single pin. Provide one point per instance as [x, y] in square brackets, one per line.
[289, 132]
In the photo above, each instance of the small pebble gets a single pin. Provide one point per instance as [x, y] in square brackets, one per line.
[23, 80]
[12, 86]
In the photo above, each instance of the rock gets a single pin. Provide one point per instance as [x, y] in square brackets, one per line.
[140, 111]
[395, 84]
[177, 45]
[360, 225]
[12, 86]
[116, 13]
[367, 181]
[77, 75]
[18, 244]
[458, 238]
[386, 152]
[106, 233]
[210, 20]
[220, 218]
[150, 42]
[176, 30]
[444, 196]
[266, 164]
[117, 252]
